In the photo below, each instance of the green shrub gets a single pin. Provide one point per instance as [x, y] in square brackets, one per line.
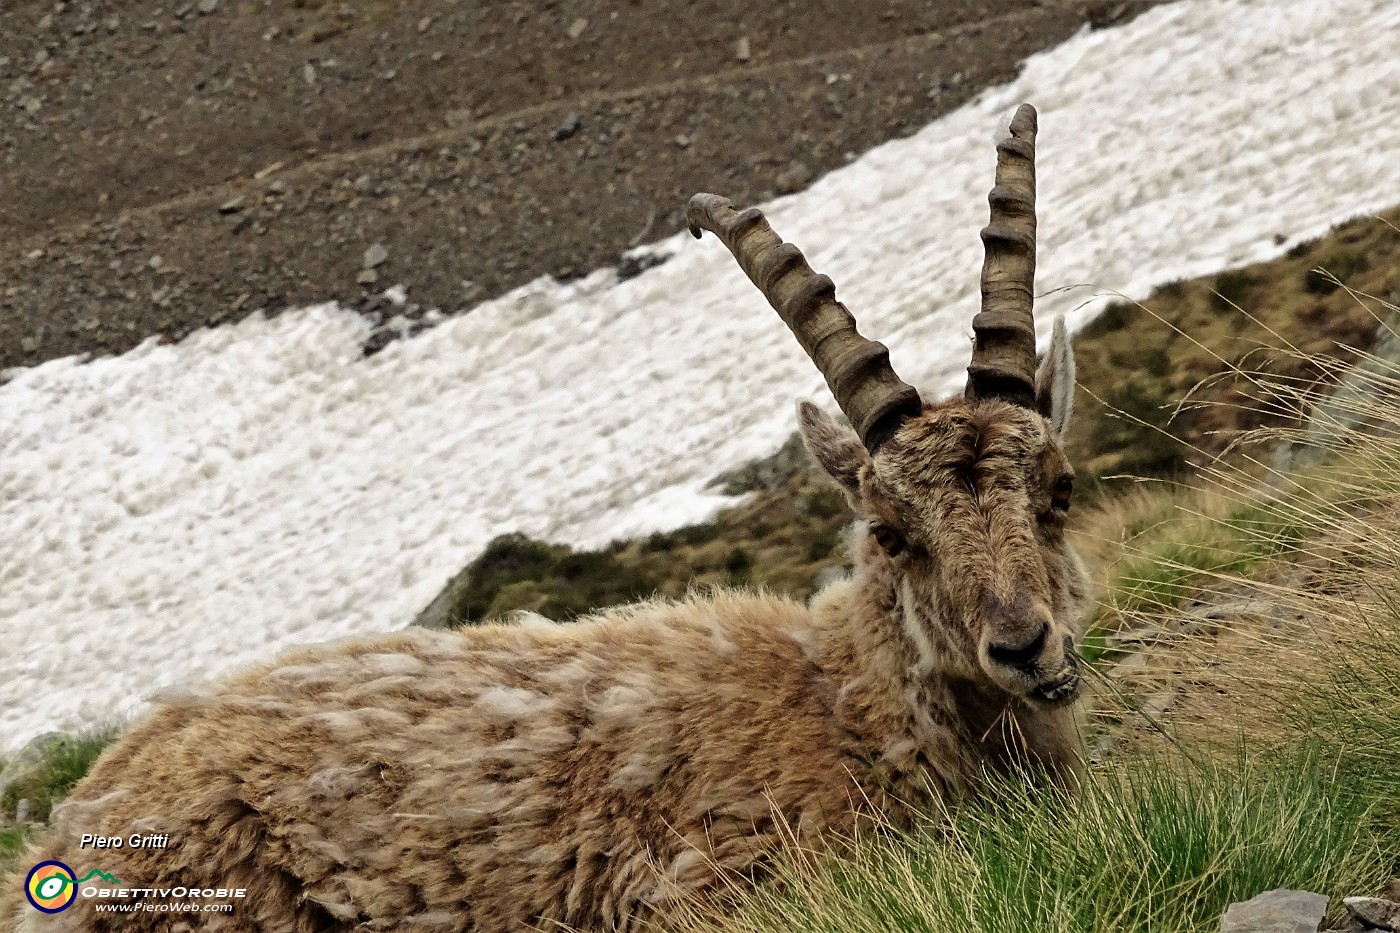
[703, 533]
[824, 502]
[1231, 289]
[62, 765]
[738, 564]
[1112, 318]
[11, 844]
[821, 544]
[1131, 426]
[1173, 290]
[1338, 266]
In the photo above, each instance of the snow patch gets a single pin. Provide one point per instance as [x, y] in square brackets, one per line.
[184, 510]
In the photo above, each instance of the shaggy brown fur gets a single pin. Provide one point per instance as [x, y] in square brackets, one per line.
[505, 776]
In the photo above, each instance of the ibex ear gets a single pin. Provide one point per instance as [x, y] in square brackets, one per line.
[1054, 380]
[836, 448]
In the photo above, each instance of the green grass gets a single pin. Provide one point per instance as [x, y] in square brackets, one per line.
[1354, 709]
[1176, 560]
[1149, 845]
[1166, 562]
[60, 768]
[11, 844]
[781, 539]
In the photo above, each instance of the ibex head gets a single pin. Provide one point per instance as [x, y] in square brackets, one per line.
[963, 502]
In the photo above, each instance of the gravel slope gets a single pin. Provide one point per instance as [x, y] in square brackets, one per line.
[171, 165]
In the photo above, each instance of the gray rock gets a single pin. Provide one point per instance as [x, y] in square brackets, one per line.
[438, 614]
[367, 277]
[232, 206]
[577, 27]
[527, 617]
[1132, 664]
[1157, 704]
[634, 264]
[1105, 745]
[1348, 409]
[794, 178]
[1277, 911]
[830, 575]
[767, 473]
[1104, 15]
[377, 341]
[22, 812]
[1227, 609]
[207, 6]
[568, 127]
[375, 256]
[1374, 911]
[1141, 635]
[742, 50]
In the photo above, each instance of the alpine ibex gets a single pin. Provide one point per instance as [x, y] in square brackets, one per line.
[591, 773]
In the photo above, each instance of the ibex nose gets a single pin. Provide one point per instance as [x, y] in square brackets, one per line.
[1021, 656]
[1016, 631]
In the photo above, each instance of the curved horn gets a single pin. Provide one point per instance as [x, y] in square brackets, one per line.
[1003, 352]
[857, 370]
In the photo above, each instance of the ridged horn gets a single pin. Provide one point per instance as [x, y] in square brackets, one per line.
[857, 370]
[1003, 351]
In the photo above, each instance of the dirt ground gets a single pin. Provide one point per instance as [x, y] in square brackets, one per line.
[168, 164]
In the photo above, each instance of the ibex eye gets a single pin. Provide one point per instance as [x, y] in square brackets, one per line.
[890, 540]
[1064, 488]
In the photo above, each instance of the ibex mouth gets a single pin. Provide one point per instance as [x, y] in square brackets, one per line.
[1061, 691]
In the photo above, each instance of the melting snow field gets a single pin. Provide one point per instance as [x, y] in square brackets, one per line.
[183, 510]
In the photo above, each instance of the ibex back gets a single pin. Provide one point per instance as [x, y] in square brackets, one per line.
[593, 773]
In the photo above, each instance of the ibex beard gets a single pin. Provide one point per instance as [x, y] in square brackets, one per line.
[594, 774]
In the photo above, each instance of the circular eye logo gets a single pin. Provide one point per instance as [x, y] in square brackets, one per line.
[51, 887]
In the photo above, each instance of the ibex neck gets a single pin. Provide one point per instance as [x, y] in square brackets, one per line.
[901, 713]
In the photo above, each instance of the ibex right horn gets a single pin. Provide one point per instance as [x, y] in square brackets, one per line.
[857, 370]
